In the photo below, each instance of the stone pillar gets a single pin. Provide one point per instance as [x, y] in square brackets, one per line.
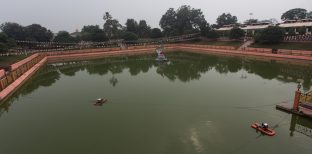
[297, 100]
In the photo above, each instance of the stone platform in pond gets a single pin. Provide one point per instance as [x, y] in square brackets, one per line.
[288, 107]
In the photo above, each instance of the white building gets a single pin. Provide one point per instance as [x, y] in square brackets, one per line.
[254, 27]
[296, 24]
[289, 25]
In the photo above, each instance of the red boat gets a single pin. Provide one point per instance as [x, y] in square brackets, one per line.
[268, 131]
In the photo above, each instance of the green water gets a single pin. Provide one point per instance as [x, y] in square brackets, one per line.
[195, 104]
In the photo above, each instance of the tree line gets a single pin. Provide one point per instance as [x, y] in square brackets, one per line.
[184, 20]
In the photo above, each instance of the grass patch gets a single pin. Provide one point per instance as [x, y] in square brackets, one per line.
[8, 60]
[285, 45]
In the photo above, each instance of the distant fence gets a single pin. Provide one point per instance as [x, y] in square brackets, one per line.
[298, 38]
[208, 46]
[133, 47]
[30, 47]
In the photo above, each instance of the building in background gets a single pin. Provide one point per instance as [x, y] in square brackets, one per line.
[297, 27]
[292, 27]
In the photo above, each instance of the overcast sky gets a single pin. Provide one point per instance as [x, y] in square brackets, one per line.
[70, 15]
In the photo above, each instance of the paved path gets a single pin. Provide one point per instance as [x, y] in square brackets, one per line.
[246, 44]
[245, 53]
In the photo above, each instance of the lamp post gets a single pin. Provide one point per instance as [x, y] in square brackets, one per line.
[299, 86]
[297, 98]
[250, 14]
[246, 34]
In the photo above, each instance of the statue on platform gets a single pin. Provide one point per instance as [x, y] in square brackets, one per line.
[160, 53]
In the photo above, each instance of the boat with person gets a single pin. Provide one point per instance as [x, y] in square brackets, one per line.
[263, 129]
[100, 102]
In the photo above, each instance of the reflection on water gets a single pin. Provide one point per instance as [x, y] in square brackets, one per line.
[176, 113]
[113, 81]
[182, 66]
[195, 140]
[300, 125]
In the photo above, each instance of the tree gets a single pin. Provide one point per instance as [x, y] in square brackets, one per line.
[144, 31]
[226, 19]
[190, 20]
[64, 36]
[251, 21]
[309, 15]
[13, 30]
[129, 36]
[168, 22]
[236, 33]
[215, 26]
[36, 32]
[5, 42]
[93, 33]
[156, 33]
[199, 22]
[295, 14]
[132, 26]
[272, 34]
[111, 26]
[205, 29]
[183, 21]
[212, 34]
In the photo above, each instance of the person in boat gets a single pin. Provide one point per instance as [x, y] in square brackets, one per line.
[99, 101]
[264, 126]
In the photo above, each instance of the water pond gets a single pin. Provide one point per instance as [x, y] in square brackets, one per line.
[193, 104]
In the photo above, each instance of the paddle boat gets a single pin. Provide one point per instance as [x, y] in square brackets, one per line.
[264, 130]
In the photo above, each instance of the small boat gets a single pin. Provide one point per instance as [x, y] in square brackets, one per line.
[100, 102]
[269, 132]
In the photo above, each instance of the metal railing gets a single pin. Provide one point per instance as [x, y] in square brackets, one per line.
[29, 47]
[306, 37]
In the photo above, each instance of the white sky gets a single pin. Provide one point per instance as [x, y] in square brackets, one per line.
[73, 14]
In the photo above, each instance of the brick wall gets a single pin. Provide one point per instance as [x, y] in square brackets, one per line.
[18, 69]
[281, 51]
